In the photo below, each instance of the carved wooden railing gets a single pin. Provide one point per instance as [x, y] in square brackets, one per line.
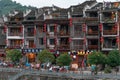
[92, 46]
[92, 33]
[109, 32]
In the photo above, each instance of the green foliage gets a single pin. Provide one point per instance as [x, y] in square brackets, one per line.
[107, 70]
[64, 60]
[45, 56]
[96, 58]
[113, 58]
[8, 5]
[14, 55]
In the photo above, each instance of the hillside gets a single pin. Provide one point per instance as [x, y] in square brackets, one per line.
[8, 5]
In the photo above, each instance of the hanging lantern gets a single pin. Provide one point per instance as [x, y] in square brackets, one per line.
[84, 27]
[44, 40]
[70, 22]
[21, 28]
[70, 40]
[100, 27]
[84, 41]
[34, 45]
[34, 31]
[44, 28]
[55, 41]
[6, 41]
[55, 28]
[101, 39]
[117, 39]
[5, 28]
[22, 40]
[115, 27]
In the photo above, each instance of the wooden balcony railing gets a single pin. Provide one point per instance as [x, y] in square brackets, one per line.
[30, 34]
[76, 20]
[92, 33]
[109, 32]
[77, 47]
[109, 46]
[78, 34]
[63, 34]
[14, 46]
[91, 19]
[107, 19]
[92, 46]
[63, 47]
[15, 34]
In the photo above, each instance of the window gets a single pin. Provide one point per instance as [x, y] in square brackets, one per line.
[41, 41]
[51, 28]
[52, 41]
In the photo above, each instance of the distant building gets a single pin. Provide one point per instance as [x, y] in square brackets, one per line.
[87, 26]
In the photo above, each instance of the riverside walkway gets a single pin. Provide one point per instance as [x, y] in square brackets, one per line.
[71, 75]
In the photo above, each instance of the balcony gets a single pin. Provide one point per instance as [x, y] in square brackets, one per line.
[92, 46]
[109, 32]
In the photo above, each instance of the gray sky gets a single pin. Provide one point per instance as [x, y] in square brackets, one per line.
[59, 3]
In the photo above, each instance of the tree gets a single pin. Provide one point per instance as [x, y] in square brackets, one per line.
[113, 58]
[64, 60]
[14, 55]
[45, 56]
[96, 58]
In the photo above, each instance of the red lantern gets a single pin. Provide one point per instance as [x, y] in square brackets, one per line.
[100, 27]
[70, 21]
[5, 28]
[22, 40]
[34, 31]
[44, 27]
[70, 39]
[84, 27]
[55, 28]
[34, 45]
[6, 41]
[44, 40]
[101, 39]
[84, 41]
[21, 28]
[55, 41]
[117, 39]
[115, 27]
